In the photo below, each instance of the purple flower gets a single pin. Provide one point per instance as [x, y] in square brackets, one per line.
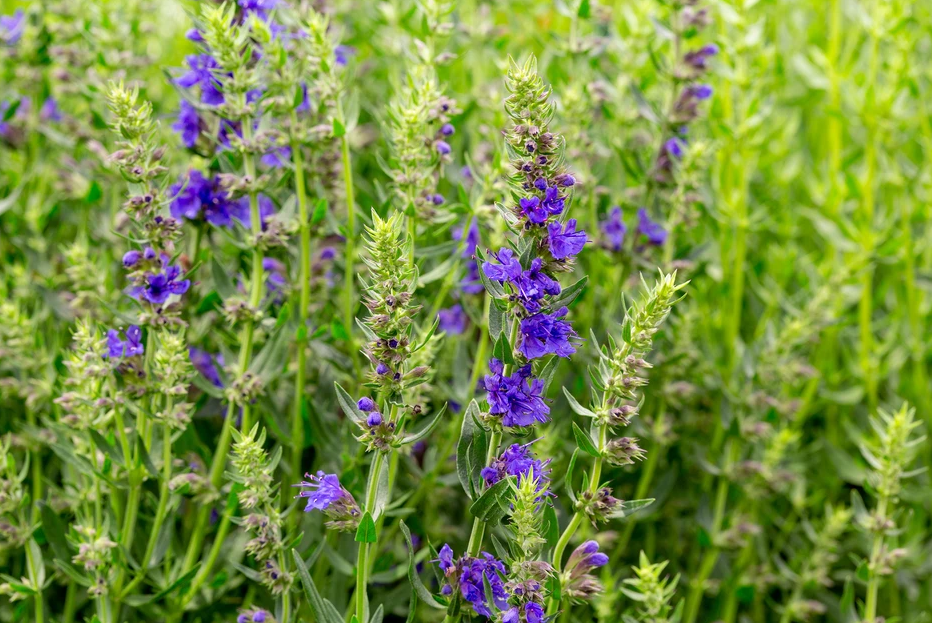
[443, 148]
[131, 258]
[201, 72]
[130, 347]
[614, 229]
[374, 419]
[197, 197]
[547, 334]
[471, 283]
[652, 230]
[206, 364]
[366, 404]
[472, 586]
[258, 7]
[322, 491]
[445, 557]
[581, 583]
[194, 35]
[453, 320]
[675, 147]
[701, 91]
[565, 243]
[277, 157]
[533, 613]
[342, 53]
[159, 286]
[447, 129]
[472, 239]
[507, 269]
[517, 398]
[188, 124]
[517, 460]
[50, 110]
[276, 279]
[12, 27]
[698, 59]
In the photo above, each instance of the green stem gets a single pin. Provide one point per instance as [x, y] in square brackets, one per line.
[297, 415]
[349, 316]
[34, 578]
[257, 280]
[873, 583]
[362, 558]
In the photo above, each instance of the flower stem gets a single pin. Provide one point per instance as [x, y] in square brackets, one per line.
[362, 558]
[297, 416]
[349, 316]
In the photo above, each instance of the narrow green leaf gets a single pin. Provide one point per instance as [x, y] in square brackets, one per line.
[365, 533]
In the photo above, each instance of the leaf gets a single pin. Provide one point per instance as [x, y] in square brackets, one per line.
[577, 408]
[419, 589]
[629, 507]
[426, 429]
[317, 604]
[584, 441]
[107, 448]
[569, 476]
[471, 434]
[491, 505]
[496, 321]
[222, 281]
[339, 129]
[349, 406]
[366, 532]
[54, 529]
[503, 350]
[320, 211]
[378, 615]
[550, 527]
[569, 294]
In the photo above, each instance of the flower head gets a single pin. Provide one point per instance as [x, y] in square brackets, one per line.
[206, 364]
[547, 334]
[565, 242]
[12, 27]
[202, 72]
[453, 320]
[188, 124]
[325, 493]
[653, 231]
[130, 347]
[157, 287]
[614, 229]
[517, 398]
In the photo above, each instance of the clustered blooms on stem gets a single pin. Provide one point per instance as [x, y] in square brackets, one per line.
[388, 297]
[419, 126]
[469, 575]
[325, 493]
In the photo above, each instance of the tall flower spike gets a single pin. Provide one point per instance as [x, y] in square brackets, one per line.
[392, 281]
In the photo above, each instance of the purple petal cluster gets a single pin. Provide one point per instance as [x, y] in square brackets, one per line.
[254, 615]
[188, 124]
[469, 575]
[532, 284]
[533, 613]
[565, 242]
[614, 229]
[196, 197]
[471, 283]
[207, 364]
[202, 72]
[157, 287]
[130, 347]
[547, 334]
[517, 460]
[516, 398]
[453, 320]
[12, 27]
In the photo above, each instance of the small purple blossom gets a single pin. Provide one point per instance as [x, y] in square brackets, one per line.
[12, 27]
[517, 460]
[447, 129]
[547, 334]
[196, 197]
[130, 347]
[443, 148]
[614, 229]
[202, 72]
[206, 364]
[517, 398]
[566, 242]
[50, 110]
[453, 320]
[675, 147]
[157, 287]
[507, 269]
[322, 491]
[188, 124]
[342, 53]
[653, 231]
